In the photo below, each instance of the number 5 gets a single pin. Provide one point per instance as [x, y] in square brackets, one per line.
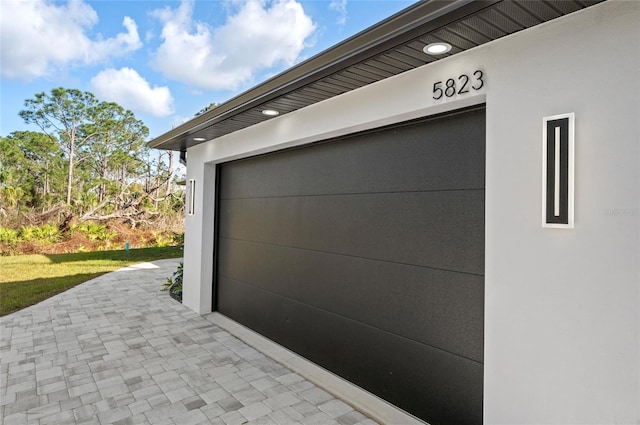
[437, 89]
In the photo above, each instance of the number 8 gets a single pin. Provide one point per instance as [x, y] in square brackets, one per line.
[451, 88]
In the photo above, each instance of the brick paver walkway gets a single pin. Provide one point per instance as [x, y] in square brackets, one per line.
[118, 350]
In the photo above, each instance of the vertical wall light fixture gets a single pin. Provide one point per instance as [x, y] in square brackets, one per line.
[192, 196]
[558, 148]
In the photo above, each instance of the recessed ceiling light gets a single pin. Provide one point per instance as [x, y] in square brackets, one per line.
[437, 48]
[198, 139]
[270, 112]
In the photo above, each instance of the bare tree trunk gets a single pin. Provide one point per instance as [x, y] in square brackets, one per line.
[123, 185]
[70, 174]
[156, 190]
[101, 192]
[45, 189]
[168, 190]
[102, 189]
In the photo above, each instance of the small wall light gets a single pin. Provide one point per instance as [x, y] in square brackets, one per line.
[192, 196]
[437, 48]
[198, 139]
[558, 153]
[270, 112]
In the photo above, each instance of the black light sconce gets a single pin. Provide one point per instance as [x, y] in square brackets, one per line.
[558, 148]
[192, 196]
[183, 158]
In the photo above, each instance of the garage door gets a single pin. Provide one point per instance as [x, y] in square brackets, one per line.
[365, 255]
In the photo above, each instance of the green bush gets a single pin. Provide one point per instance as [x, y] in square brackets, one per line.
[28, 233]
[47, 233]
[161, 240]
[165, 239]
[8, 235]
[50, 232]
[96, 232]
[174, 284]
[178, 240]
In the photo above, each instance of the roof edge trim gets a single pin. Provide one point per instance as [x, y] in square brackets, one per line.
[396, 29]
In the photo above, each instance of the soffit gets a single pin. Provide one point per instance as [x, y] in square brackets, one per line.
[386, 49]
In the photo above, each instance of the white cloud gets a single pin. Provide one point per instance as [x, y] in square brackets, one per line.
[340, 6]
[127, 88]
[39, 36]
[258, 35]
[177, 120]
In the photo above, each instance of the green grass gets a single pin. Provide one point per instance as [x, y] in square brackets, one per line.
[28, 279]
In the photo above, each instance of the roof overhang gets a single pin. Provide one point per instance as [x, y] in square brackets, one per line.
[388, 48]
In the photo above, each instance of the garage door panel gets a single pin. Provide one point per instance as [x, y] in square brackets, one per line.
[435, 307]
[429, 382]
[432, 229]
[432, 155]
[366, 255]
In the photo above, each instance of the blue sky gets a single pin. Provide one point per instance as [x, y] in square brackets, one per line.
[165, 60]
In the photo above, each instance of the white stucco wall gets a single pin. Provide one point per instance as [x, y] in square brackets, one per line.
[562, 307]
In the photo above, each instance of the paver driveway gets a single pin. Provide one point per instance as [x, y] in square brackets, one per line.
[118, 350]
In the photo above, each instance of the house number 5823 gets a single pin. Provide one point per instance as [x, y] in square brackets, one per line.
[462, 85]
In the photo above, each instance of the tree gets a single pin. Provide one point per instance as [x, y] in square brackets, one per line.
[11, 159]
[125, 178]
[32, 161]
[63, 113]
[116, 143]
[110, 173]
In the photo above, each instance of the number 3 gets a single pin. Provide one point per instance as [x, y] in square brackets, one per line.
[479, 77]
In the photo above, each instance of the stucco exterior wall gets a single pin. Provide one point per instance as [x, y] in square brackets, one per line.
[562, 307]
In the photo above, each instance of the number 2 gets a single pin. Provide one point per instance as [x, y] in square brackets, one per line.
[464, 88]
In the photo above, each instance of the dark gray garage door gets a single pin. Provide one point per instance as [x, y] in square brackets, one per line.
[366, 255]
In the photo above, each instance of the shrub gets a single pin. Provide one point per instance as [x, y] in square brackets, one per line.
[8, 235]
[47, 233]
[178, 240]
[166, 238]
[161, 240]
[174, 284]
[96, 232]
[28, 233]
